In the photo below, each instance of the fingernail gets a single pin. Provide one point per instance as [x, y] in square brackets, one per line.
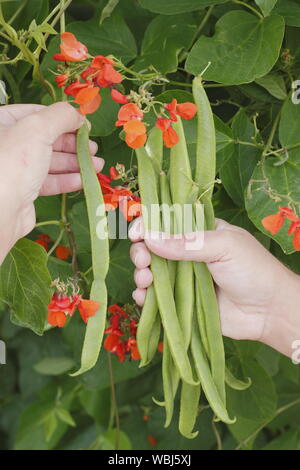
[93, 146]
[135, 230]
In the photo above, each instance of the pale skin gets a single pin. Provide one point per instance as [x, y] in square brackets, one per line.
[37, 157]
[259, 297]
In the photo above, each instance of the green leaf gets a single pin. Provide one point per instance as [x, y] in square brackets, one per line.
[271, 185]
[164, 39]
[243, 48]
[54, 365]
[120, 275]
[50, 426]
[290, 11]
[240, 159]
[103, 120]
[289, 440]
[274, 84]
[171, 7]
[25, 285]
[259, 400]
[65, 416]
[266, 6]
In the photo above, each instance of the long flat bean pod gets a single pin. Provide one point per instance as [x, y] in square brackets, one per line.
[162, 284]
[181, 184]
[207, 382]
[189, 406]
[100, 253]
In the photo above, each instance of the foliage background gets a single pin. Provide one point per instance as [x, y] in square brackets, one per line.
[255, 59]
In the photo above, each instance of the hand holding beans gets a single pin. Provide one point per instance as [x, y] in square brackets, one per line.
[256, 293]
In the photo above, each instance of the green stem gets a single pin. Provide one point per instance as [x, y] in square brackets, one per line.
[48, 222]
[57, 242]
[239, 2]
[114, 404]
[12, 85]
[260, 428]
[202, 24]
[174, 82]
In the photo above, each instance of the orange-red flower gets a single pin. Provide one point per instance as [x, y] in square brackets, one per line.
[71, 49]
[273, 223]
[184, 110]
[118, 96]
[170, 136]
[129, 112]
[43, 240]
[61, 80]
[57, 318]
[135, 133]
[87, 309]
[74, 88]
[160, 347]
[102, 72]
[62, 252]
[135, 355]
[152, 441]
[89, 100]
[130, 207]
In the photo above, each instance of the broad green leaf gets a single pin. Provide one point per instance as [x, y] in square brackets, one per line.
[164, 39]
[124, 442]
[103, 120]
[290, 10]
[289, 440]
[25, 285]
[266, 6]
[54, 365]
[50, 425]
[65, 416]
[243, 429]
[271, 185]
[243, 48]
[240, 160]
[171, 7]
[259, 400]
[274, 84]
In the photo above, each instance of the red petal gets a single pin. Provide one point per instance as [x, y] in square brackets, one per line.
[186, 110]
[87, 308]
[273, 223]
[57, 319]
[296, 240]
[170, 137]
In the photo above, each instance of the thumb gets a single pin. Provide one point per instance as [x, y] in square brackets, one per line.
[52, 121]
[209, 246]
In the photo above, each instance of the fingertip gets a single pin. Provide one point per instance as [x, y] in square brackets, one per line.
[93, 147]
[139, 296]
[136, 230]
[143, 278]
[98, 163]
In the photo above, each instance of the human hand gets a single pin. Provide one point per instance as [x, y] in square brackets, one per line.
[37, 157]
[258, 296]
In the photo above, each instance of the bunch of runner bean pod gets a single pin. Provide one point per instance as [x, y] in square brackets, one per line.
[182, 298]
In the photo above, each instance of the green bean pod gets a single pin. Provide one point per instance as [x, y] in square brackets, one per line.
[234, 383]
[189, 409]
[100, 253]
[211, 392]
[162, 283]
[146, 324]
[181, 184]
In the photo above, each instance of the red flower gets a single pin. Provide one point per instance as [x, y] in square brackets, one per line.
[61, 80]
[160, 347]
[115, 309]
[184, 110]
[43, 240]
[62, 252]
[89, 100]
[102, 72]
[42, 243]
[74, 88]
[118, 97]
[129, 112]
[87, 309]
[288, 214]
[170, 136]
[135, 133]
[113, 173]
[152, 441]
[135, 355]
[71, 49]
[57, 318]
[273, 223]
[130, 208]
[296, 239]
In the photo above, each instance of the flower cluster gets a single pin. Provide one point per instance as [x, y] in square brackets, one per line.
[63, 305]
[121, 334]
[84, 83]
[119, 196]
[273, 223]
[61, 251]
[85, 80]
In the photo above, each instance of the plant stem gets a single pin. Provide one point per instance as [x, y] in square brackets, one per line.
[239, 2]
[202, 24]
[57, 242]
[48, 222]
[114, 401]
[260, 428]
[174, 82]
